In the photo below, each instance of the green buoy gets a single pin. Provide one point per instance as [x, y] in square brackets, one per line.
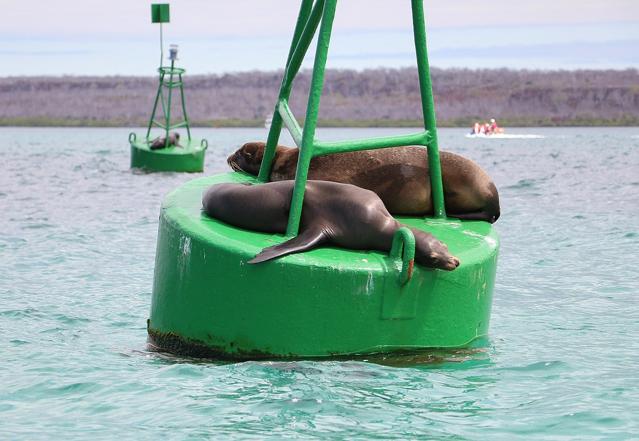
[327, 302]
[188, 154]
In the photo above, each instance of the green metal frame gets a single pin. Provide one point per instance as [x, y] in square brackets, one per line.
[160, 14]
[314, 13]
[170, 84]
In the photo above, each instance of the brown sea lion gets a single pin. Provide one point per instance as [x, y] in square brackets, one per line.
[333, 213]
[160, 142]
[398, 175]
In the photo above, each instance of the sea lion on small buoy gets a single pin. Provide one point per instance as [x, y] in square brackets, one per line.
[160, 142]
[332, 213]
[399, 175]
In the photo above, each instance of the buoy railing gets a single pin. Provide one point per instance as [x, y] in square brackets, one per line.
[320, 13]
[403, 248]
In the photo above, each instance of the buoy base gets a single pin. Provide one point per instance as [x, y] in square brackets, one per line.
[328, 302]
[187, 158]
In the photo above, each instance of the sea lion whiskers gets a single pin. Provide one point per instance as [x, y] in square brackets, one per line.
[233, 164]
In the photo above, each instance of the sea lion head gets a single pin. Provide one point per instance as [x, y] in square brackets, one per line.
[432, 253]
[174, 138]
[247, 158]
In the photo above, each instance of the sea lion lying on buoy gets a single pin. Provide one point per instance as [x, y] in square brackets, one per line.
[398, 175]
[160, 142]
[333, 213]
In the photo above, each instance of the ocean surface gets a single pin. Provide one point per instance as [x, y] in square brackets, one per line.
[77, 245]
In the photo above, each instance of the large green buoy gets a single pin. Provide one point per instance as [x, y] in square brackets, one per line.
[188, 155]
[327, 302]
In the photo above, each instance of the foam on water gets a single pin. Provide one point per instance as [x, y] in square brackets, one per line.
[77, 247]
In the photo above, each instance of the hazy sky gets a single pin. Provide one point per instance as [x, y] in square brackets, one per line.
[116, 36]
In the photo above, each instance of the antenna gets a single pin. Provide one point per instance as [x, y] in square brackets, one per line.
[160, 14]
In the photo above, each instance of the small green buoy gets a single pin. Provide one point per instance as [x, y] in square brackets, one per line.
[188, 154]
[329, 301]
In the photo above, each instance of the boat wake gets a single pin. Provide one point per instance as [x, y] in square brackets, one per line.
[505, 136]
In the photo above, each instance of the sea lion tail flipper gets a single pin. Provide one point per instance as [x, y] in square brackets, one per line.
[305, 241]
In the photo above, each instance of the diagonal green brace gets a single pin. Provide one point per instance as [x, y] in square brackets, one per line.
[321, 13]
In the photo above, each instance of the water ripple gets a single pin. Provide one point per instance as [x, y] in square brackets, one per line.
[76, 270]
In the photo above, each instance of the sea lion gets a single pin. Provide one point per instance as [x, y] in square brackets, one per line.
[398, 175]
[332, 213]
[160, 142]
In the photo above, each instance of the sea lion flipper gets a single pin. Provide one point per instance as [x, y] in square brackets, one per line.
[307, 240]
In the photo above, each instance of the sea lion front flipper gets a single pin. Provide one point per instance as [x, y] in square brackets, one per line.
[307, 240]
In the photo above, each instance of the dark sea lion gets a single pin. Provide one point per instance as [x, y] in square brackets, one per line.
[333, 213]
[160, 142]
[398, 175]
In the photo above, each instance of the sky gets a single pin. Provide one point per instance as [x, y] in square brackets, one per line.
[116, 37]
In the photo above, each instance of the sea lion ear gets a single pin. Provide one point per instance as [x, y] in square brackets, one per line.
[248, 149]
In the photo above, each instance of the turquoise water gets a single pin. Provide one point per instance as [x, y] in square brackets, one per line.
[77, 244]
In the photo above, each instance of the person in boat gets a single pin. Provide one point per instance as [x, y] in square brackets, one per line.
[475, 129]
[494, 128]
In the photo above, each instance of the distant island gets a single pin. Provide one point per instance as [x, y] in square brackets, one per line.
[369, 98]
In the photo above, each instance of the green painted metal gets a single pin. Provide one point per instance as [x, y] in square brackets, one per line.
[167, 75]
[326, 302]
[404, 247]
[305, 28]
[312, 112]
[187, 158]
[428, 108]
[321, 13]
[329, 301]
[160, 13]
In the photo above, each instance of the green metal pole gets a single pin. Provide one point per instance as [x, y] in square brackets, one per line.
[310, 122]
[305, 39]
[162, 101]
[186, 118]
[155, 105]
[428, 108]
[161, 46]
[276, 122]
[168, 110]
